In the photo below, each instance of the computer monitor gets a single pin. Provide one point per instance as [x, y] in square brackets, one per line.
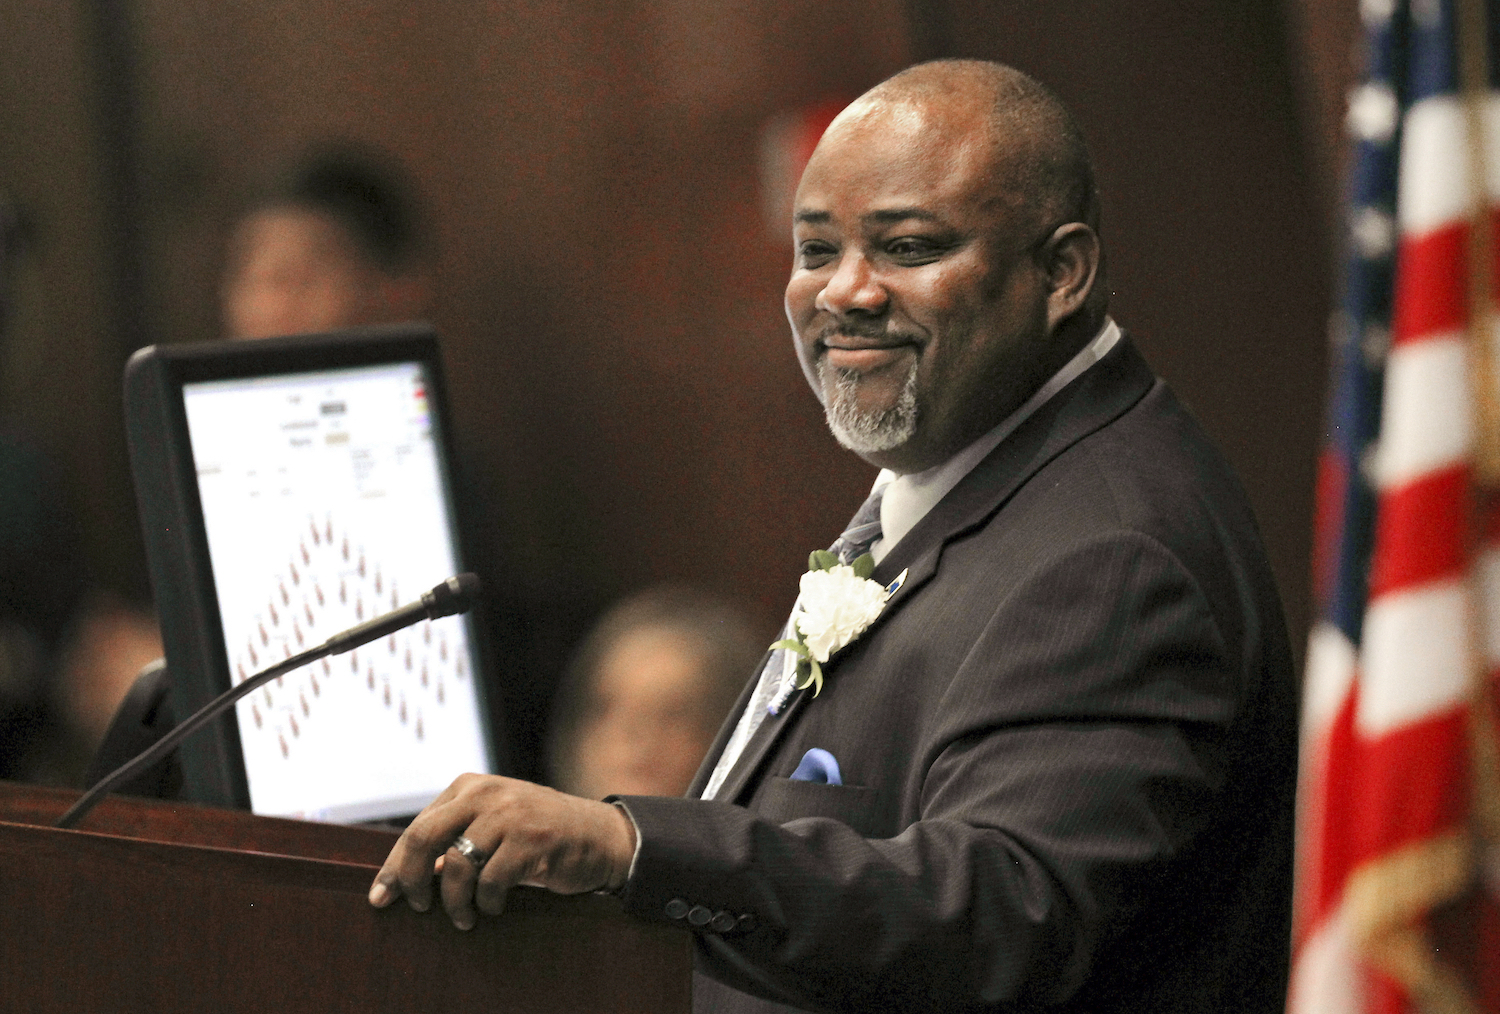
[289, 489]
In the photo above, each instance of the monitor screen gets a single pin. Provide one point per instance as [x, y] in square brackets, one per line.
[325, 503]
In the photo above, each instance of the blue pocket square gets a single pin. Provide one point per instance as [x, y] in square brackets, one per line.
[818, 765]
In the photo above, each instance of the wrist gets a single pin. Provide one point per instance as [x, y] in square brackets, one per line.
[624, 843]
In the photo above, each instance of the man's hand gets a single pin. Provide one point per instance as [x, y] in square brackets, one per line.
[532, 835]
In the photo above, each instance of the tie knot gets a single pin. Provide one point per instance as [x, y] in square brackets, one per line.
[863, 529]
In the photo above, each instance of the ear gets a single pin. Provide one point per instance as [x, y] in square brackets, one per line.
[1070, 258]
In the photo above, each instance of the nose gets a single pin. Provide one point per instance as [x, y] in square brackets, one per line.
[852, 288]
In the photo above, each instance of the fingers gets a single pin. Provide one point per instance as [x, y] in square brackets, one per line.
[407, 871]
[457, 889]
[493, 885]
[409, 868]
[506, 868]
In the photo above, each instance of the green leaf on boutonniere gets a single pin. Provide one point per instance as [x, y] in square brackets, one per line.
[822, 559]
[864, 567]
[814, 677]
[806, 664]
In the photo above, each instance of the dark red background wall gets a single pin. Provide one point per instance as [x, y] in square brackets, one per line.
[623, 384]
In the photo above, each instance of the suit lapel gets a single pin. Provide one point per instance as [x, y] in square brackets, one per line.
[1096, 398]
[726, 730]
[1099, 396]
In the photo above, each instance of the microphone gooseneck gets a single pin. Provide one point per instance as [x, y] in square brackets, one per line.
[455, 595]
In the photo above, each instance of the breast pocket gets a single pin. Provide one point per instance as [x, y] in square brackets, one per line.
[782, 800]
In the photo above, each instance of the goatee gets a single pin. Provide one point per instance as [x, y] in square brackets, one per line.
[860, 431]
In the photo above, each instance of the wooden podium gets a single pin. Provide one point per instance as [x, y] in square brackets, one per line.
[164, 907]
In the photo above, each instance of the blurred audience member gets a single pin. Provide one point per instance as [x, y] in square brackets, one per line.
[337, 244]
[645, 694]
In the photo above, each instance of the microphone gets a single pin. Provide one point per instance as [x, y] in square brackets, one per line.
[455, 595]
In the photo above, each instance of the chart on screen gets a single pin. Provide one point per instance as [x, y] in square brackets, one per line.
[325, 505]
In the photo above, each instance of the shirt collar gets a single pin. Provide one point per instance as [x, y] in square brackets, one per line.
[908, 498]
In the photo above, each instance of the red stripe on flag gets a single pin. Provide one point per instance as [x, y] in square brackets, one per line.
[1379, 795]
[1334, 856]
[1385, 995]
[1430, 292]
[1431, 281]
[1413, 785]
[1419, 532]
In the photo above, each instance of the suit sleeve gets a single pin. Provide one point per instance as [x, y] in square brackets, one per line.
[1080, 750]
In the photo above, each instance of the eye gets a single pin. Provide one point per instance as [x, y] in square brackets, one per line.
[914, 250]
[814, 253]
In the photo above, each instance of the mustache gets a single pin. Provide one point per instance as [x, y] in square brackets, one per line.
[873, 331]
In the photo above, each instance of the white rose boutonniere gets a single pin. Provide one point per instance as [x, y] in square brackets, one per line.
[838, 602]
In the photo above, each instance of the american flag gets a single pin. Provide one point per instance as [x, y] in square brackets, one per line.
[1397, 870]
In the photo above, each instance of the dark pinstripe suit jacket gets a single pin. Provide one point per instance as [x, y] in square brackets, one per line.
[1068, 749]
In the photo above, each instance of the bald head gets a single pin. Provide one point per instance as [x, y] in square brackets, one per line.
[1038, 149]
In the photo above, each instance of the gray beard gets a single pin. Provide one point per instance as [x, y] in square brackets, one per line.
[867, 432]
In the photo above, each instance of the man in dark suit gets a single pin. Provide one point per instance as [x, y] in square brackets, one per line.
[1056, 770]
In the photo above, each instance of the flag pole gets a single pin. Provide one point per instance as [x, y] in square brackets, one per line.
[1472, 32]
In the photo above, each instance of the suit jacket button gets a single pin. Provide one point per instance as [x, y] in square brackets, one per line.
[722, 922]
[745, 923]
[699, 916]
[676, 908]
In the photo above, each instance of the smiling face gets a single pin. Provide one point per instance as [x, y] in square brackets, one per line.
[920, 299]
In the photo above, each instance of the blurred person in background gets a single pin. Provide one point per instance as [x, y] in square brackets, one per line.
[646, 692]
[338, 243]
